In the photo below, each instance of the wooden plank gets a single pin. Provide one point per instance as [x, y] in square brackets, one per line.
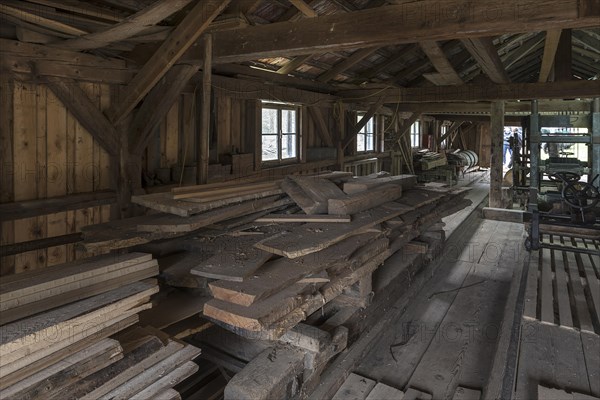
[167, 381]
[66, 371]
[162, 368]
[136, 355]
[382, 391]
[134, 371]
[26, 333]
[552, 394]
[591, 350]
[577, 290]
[562, 293]
[175, 307]
[361, 185]
[310, 238]
[531, 293]
[35, 208]
[358, 202]
[75, 295]
[268, 375]
[40, 20]
[98, 330]
[235, 262]
[590, 280]
[182, 37]
[305, 202]
[31, 367]
[175, 224]
[87, 113]
[546, 296]
[291, 218]
[278, 274]
[355, 387]
[319, 190]
[463, 393]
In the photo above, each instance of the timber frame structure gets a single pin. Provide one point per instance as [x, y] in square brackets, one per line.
[101, 93]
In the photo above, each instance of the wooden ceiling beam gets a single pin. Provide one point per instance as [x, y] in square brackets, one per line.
[527, 47]
[479, 92]
[344, 65]
[379, 27]
[292, 65]
[184, 35]
[304, 8]
[486, 55]
[550, 46]
[484, 107]
[32, 18]
[440, 63]
[125, 29]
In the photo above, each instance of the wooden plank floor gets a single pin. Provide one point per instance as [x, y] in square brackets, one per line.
[447, 337]
[560, 345]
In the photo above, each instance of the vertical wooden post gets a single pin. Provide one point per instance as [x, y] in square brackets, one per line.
[497, 130]
[204, 131]
[341, 136]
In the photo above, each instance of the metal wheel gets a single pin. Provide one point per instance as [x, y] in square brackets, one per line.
[566, 177]
[586, 197]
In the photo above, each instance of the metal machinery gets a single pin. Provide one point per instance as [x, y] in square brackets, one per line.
[566, 203]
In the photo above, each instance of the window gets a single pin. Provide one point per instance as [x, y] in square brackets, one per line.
[415, 134]
[365, 139]
[444, 130]
[279, 131]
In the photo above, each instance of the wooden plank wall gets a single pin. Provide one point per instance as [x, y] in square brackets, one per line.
[47, 153]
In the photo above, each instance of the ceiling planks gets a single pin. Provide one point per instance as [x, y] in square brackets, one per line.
[344, 65]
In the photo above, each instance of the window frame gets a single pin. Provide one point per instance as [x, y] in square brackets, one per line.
[363, 132]
[415, 133]
[280, 107]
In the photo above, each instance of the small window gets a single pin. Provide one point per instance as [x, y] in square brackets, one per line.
[365, 139]
[415, 134]
[279, 131]
[444, 130]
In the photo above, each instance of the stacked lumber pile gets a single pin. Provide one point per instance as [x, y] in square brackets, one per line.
[429, 159]
[57, 324]
[262, 298]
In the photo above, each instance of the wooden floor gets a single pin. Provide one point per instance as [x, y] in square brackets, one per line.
[444, 343]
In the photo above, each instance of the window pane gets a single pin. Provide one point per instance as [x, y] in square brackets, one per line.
[288, 121]
[269, 121]
[269, 148]
[369, 145]
[369, 126]
[288, 146]
[360, 142]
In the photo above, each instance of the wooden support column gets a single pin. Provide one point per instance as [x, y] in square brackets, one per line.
[204, 131]
[497, 130]
[340, 137]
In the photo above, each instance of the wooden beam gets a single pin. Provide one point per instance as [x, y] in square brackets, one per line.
[479, 92]
[184, 35]
[379, 27]
[440, 62]
[82, 8]
[486, 55]
[497, 129]
[550, 46]
[361, 124]
[304, 8]
[36, 208]
[454, 128]
[157, 104]
[322, 128]
[41, 21]
[292, 65]
[202, 143]
[86, 112]
[484, 107]
[127, 28]
[563, 61]
[344, 65]
[524, 49]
